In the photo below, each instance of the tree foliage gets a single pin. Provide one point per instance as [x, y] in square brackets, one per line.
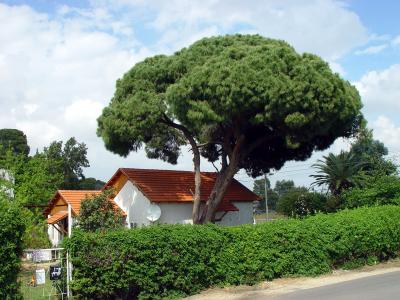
[15, 140]
[90, 184]
[373, 154]
[250, 102]
[338, 172]
[283, 186]
[299, 202]
[70, 160]
[12, 227]
[382, 191]
[99, 213]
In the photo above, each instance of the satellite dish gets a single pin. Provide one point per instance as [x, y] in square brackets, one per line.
[153, 212]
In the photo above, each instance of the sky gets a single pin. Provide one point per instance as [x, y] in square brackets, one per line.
[59, 61]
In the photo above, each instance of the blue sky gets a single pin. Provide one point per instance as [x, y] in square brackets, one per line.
[59, 61]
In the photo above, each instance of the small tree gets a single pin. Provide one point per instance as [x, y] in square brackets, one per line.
[100, 213]
[299, 202]
[15, 140]
[338, 172]
[12, 227]
[244, 100]
[283, 186]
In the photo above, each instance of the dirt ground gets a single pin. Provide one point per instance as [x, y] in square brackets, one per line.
[287, 285]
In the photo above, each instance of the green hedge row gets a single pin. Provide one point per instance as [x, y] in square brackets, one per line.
[11, 230]
[175, 260]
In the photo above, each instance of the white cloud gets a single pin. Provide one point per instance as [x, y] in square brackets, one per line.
[30, 108]
[380, 90]
[396, 41]
[58, 71]
[324, 27]
[372, 50]
[83, 112]
[386, 131]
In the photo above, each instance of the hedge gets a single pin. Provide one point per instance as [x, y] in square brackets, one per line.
[171, 261]
[11, 230]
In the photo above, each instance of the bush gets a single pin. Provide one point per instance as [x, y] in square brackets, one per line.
[299, 202]
[176, 260]
[11, 231]
[384, 190]
[99, 212]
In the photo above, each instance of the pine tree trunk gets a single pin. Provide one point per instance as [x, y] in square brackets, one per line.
[222, 182]
[217, 194]
[197, 185]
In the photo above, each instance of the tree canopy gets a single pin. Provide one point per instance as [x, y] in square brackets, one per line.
[99, 213]
[71, 159]
[338, 172]
[373, 154]
[245, 100]
[15, 140]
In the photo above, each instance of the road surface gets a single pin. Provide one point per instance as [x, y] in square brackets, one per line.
[378, 287]
[381, 282]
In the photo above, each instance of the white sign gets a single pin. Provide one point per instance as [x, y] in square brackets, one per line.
[40, 276]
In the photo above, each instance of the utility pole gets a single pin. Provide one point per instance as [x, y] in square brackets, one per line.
[266, 196]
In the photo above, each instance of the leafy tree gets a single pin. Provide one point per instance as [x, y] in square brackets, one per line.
[283, 186]
[90, 184]
[37, 180]
[70, 160]
[100, 213]
[372, 153]
[12, 227]
[15, 140]
[244, 100]
[338, 172]
[259, 189]
[300, 202]
[384, 190]
[35, 235]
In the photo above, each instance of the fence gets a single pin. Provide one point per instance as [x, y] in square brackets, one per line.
[44, 274]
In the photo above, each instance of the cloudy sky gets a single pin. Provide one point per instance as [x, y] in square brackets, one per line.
[59, 61]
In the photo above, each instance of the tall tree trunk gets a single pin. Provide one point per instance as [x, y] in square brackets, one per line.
[223, 180]
[197, 185]
[196, 164]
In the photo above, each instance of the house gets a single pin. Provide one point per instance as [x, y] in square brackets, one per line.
[62, 211]
[139, 191]
[136, 190]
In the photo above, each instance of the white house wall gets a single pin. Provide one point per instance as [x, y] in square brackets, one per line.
[135, 205]
[54, 235]
[176, 213]
[243, 216]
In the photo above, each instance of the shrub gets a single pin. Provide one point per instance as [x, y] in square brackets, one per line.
[384, 190]
[99, 212]
[175, 260]
[11, 231]
[300, 202]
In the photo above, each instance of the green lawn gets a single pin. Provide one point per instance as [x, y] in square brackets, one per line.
[272, 215]
[40, 291]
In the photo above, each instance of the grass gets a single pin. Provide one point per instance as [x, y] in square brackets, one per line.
[272, 215]
[38, 292]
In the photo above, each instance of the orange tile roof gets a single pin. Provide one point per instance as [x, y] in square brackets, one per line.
[75, 197]
[178, 186]
[57, 217]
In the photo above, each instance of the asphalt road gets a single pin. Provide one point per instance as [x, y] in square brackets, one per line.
[379, 287]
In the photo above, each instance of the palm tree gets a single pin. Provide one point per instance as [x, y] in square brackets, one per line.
[338, 172]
